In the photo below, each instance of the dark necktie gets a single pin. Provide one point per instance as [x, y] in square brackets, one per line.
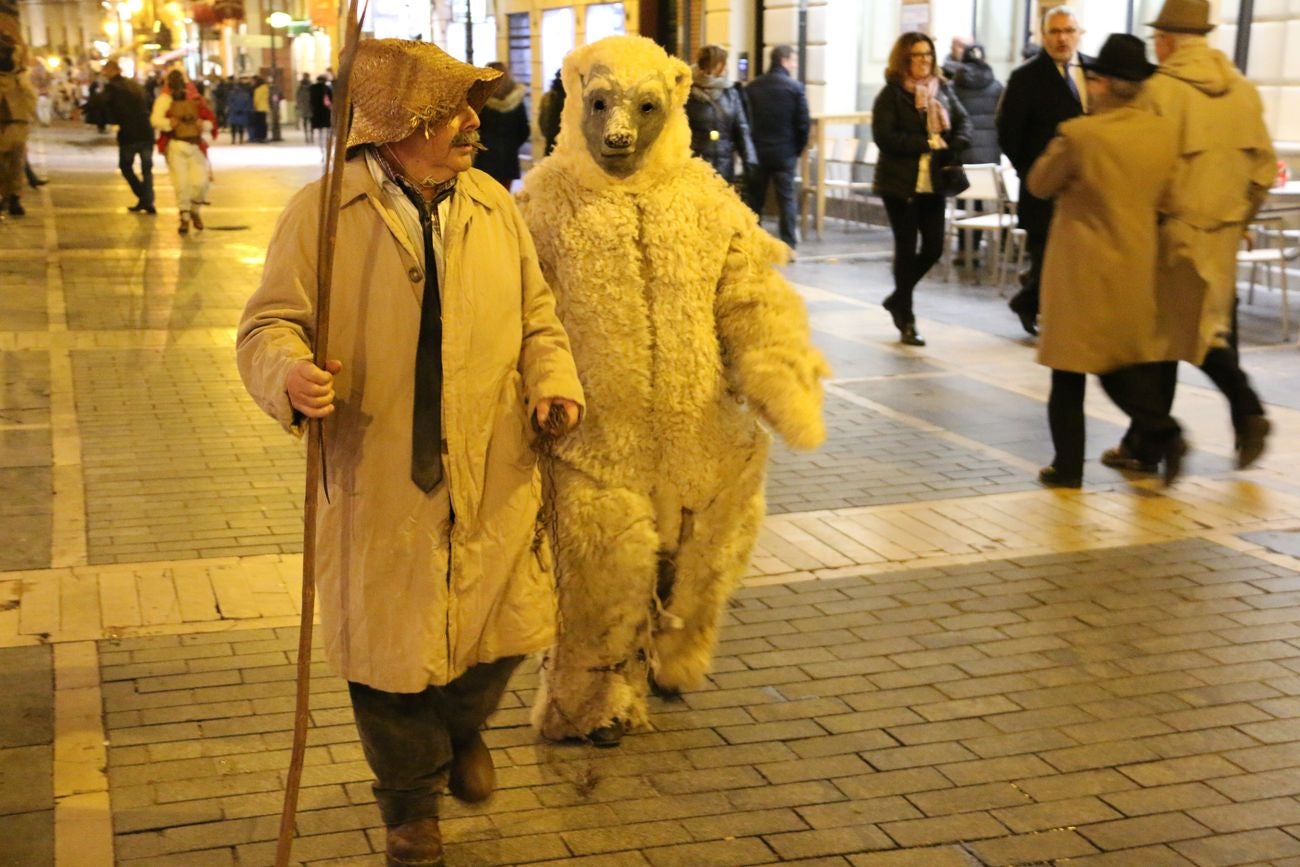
[1074, 88]
[426, 412]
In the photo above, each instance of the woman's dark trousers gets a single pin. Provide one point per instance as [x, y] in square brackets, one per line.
[916, 219]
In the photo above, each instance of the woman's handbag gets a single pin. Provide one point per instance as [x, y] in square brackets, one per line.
[951, 176]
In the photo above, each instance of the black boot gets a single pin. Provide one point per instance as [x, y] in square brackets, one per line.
[16, 207]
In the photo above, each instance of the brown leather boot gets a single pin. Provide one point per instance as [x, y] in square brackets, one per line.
[473, 778]
[417, 843]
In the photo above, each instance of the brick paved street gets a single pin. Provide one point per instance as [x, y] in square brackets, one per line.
[933, 662]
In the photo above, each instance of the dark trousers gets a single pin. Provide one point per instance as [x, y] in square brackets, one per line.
[257, 129]
[142, 184]
[408, 737]
[781, 174]
[919, 218]
[1137, 390]
[1223, 366]
[32, 180]
[1026, 300]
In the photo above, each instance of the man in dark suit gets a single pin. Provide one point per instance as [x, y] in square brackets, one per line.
[779, 124]
[1040, 94]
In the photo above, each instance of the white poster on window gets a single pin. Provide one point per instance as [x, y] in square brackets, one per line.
[915, 16]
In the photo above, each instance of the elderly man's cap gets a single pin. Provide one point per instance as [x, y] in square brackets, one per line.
[398, 85]
[1184, 16]
[1121, 56]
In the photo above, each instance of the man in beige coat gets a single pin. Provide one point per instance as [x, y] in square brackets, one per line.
[434, 572]
[1109, 173]
[1225, 167]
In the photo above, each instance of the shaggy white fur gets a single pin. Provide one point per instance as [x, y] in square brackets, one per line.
[685, 335]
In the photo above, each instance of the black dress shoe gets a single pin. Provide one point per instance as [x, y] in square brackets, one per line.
[1120, 458]
[607, 736]
[38, 182]
[908, 337]
[1051, 477]
[900, 321]
[1251, 435]
[16, 208]
[1028, 318]
[138, 208]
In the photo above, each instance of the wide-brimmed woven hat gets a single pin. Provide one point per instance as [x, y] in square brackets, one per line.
[1184, 16]
[398, 85]
[1121, 56]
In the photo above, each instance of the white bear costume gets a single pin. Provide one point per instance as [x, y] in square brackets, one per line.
[685, 335]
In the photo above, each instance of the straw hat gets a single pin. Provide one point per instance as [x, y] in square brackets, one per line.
[398, 85]
[1184, 16]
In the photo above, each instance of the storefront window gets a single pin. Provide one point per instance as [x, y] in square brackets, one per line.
[605, 19]
[557, 39]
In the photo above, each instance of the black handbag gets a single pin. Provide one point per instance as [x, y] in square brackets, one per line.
[950, 177]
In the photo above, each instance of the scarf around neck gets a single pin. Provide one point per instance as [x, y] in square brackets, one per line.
[926, 91]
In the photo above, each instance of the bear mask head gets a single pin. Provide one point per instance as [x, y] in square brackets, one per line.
[625, 107]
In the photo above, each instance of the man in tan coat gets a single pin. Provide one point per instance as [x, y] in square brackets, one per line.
[1225, 168]
[1100, 312]
[433, 567]
[17, 111]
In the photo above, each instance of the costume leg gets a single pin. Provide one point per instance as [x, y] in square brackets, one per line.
[716, 543]
[607, 556]
[1065, 418]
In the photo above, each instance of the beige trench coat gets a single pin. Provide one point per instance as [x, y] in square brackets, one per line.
[1109, 173]
[409, 597]
[1225, 166]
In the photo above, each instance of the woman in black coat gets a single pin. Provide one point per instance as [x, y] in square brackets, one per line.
[978, 91]
[716, 114]
[920, 128]
[503, 129]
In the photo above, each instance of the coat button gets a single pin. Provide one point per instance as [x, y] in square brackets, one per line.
[414, 274]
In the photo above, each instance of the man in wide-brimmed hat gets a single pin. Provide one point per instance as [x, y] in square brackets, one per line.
[1224, 171]
[1107, 173]
[435, 577]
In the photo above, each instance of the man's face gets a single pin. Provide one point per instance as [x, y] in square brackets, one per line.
[620, 122]
[1061, 37]
[791, 63]
[451, 146]
[957, 48]
[1164, 45]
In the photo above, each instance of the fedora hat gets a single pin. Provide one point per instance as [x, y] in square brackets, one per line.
[1184, 16]
[1121, 56]
[399, 85]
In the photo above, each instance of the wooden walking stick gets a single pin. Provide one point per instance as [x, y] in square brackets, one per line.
[331, 196]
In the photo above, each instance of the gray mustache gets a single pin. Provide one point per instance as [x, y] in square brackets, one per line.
[466, 138]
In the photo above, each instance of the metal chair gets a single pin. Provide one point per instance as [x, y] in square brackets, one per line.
[985, 187]
[1267, 258]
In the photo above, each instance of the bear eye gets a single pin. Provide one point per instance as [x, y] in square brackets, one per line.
[647, 107]
[598, 105]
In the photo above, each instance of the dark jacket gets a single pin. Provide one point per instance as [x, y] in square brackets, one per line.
[719, 127]
[548, 113]
[778, 119]
[1034, 104]
[320, 95]
[125, 104]
[239, 106]
[503, 128]
[899, 130]
[978, 91]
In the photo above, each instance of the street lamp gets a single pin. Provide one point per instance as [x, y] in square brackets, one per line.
[277, 20]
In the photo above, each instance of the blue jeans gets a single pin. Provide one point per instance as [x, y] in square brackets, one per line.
[141, 186]
[781, 174]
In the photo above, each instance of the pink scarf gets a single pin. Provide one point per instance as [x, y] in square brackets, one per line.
[926, 91]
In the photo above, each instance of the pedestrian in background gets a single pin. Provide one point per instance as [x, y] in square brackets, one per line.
[548, 113]
[1225, 169]
[956, 57]
[920, 128]
[979, 91]
[1040, 95]
[125, 104]
[261, 109]
[716, 113]
[321, 97]
[779, 124]
[302, 106]
[239, 111]
[503, 128]
[1109, 174]
[17, 114]
[182, 117]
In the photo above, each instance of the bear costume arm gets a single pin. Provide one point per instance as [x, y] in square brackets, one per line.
[764, 331]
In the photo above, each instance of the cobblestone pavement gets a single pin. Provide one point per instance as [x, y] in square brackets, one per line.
[933, 662]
